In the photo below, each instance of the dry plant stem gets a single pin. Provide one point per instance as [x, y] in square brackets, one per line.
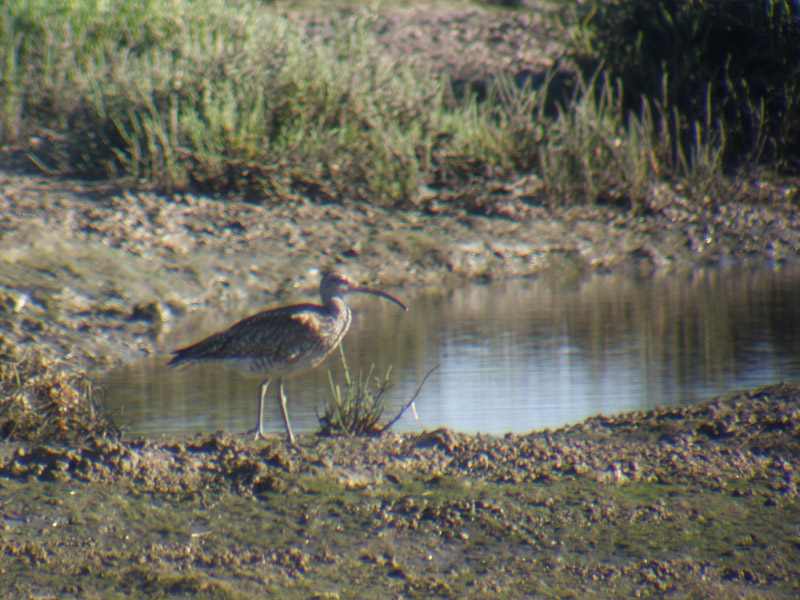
[410, 402]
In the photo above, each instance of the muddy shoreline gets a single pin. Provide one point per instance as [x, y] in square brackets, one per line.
[694, 502]
[98, 275]
[676, 502]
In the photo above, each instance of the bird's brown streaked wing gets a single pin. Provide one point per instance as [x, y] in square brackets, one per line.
[275, 333]
[279, 334]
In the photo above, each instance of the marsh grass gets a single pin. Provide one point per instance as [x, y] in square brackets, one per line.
[356, 408]
[216, 95]
[597, 150]
[231, 96]
[736, 63]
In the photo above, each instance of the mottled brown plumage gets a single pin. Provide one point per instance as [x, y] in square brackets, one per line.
[283, 341]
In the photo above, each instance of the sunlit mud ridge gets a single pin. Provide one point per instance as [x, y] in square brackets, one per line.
[754, 436]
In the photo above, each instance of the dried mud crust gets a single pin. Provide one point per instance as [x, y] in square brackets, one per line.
[699, 501]
[750, 436]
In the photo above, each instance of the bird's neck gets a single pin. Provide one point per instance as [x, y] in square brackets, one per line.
[338, 309]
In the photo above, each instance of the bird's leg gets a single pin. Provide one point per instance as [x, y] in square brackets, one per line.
[262, 392]
[282, 402]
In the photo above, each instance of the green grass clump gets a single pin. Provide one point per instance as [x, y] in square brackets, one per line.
[356, 409]
[596, 150]
[734, 64]
[225, 95]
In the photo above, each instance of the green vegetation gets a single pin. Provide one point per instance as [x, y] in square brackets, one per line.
[233, 96]
[734, 65]
[357, 409]
[595, 150]
[221, 96]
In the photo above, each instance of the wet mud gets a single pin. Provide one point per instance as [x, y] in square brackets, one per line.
[95, 276]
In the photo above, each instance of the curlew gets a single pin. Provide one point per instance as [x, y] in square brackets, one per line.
[284, 341]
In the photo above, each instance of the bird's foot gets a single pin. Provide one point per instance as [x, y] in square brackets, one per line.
[292, 442]
[256, 433]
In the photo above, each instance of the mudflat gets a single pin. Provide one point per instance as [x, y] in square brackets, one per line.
[675, 502]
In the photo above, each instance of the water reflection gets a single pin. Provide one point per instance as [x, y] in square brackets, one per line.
[516, 356]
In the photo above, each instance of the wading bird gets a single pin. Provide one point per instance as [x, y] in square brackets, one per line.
[285, 341]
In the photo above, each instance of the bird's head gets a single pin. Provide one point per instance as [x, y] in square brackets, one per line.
[336, 285]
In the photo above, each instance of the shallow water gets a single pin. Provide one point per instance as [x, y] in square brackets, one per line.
[515, 356]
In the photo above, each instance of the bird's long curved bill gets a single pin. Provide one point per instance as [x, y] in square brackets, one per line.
[366, 290]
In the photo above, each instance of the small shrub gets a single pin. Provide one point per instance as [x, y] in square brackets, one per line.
[596, 150]
[356, 409]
